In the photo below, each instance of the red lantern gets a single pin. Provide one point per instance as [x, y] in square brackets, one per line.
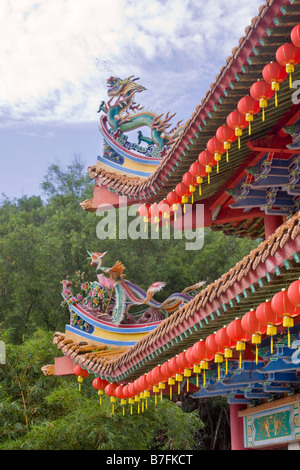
[183, 191]
[174, 200]
[294, 293]
[119, 391]
[288, 55]
[237, 121]
[99, 384]
[295, 35]
[144, 211]
[274, 74]
[165, 370]
[248, 106]
[223, 340]
[252, 325]
[237, 333]
[226, 136]
[126, 391]
[202, 356]
[266, 315]
[191, 181]
[206, 159]
[132, 391]
[110, 389]
[215, 147]
[81, 374]
[262, 92]
[216, 349]
[155, 214]
[283, 307]
[142, 383]
[186, 365]
[164, 208]
[198, 170]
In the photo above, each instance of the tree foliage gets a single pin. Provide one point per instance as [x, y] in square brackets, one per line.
[43, 240]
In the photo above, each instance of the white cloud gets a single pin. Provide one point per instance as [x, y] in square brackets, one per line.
[56, 55]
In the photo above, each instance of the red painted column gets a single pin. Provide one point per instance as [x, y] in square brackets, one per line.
[236, 428]
[272, 222]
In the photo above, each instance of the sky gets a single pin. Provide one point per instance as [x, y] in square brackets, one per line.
[56, 57]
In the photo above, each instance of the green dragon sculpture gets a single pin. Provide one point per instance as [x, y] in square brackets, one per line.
[125, 115]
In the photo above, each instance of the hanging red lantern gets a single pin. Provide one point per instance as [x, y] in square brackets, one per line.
[274, 74]
[266, 315]
[237, 333]
[237, 121]
[183, 361]
[253, 326]
[198, 170]
[119, 391]
[226, 136]
[154, 214]
[216, 349]
[81, 374]
[262, 92]
[99, 384]
[202, 356]
[295, 35]
[196, 367]
[183, 191]
[283, 307]
[248, 106]
[110, 391]
[206, 159]
[126, 391]
[168, 369]
[174, 200]
[294, 293]
[288, 55]
[142, 383]
[164, 208]
[215, 147]
[191, 181]
[144, 211]
[225, 342]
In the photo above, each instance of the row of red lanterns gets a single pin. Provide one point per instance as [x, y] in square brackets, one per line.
[280, 310]
[274, 73]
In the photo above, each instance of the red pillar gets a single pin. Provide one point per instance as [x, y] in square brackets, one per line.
[272, 222]
[236, 428]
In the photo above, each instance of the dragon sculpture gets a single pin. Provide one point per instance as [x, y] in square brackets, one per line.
[123, 114]
[111, 297]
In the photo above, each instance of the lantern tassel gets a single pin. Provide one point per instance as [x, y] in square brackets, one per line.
[227, 156]
[208, 178]
[239, 142]
[276, 99]
[249, 128]
[204, 378]
[290, 80]
[170, 392]
[240, 360]
[187, 385]
[256, 354]
[226, 366]
[200, 191]
[218, 167]
[219, 375]
[263, 114]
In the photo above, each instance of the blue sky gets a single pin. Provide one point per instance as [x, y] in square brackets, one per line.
[57, 55]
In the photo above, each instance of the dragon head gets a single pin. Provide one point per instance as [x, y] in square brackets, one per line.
[96, 258]
[117, 86]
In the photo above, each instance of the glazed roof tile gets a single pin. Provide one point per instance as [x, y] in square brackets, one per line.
[220, 296]
[263, 26]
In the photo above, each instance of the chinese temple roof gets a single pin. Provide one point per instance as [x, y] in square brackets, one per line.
[268, 30]
[274, 264]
